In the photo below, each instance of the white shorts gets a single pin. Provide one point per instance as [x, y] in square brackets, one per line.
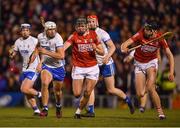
[87, 72]
[142, 67]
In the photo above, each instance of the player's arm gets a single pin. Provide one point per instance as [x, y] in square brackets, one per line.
[171, 63]
[12, 52]
[130, 57]
[59, 54]
[159, 56]
[111, 50]
[124, 46]
[67, 44]
[98, 48]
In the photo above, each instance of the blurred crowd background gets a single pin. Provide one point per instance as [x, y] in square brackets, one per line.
[121, 19]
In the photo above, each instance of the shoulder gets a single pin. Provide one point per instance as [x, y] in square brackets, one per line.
[138, 34]
[92, 32]
[73, 35]
[58, 37]
[159, 34]
[33, 38]
[19, 40]
[100, 30]
[40, 35]
[102, 33]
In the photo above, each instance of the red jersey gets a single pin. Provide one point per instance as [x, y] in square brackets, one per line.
[147, 52]
[83, 54]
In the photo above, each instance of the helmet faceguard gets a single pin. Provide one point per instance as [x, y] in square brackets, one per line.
[151, 25]
[93, 17]
[81, 25]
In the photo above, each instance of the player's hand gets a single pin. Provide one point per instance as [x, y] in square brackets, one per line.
[42, 50]
[171, 77]
[39, 67]
[94, 46]
[106, 59]
[11, 52]
[128, 59]
[125, 50]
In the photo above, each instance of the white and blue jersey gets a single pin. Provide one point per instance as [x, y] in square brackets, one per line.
[53, 65]
[109, 68]
[26, 47]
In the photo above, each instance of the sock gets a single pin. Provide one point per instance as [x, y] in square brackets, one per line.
[76, 102]
[58, 105]
[78, 111]
[128, 101]
[91, 108]
[45, 107]
[39, 95]
[36, 109]
[160, 111]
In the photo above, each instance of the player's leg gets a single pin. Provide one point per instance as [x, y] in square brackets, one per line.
[77, 85]
[57, 87]
[92, 75]
[46, 78]
[110, 82]
[58, 78]
[33, 104]
[89, 86]
[151, 87]
[90, 106]
[27, 89]
[140, 79]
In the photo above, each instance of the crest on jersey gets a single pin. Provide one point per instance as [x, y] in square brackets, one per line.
[79, 41]
[91, 40]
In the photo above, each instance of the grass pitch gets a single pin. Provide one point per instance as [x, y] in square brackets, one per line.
[22, 117]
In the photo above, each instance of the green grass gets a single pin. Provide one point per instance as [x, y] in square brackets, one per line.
[22, 117]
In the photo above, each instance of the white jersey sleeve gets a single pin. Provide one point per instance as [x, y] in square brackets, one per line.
[104, 38]
[59, 41]
[16, 45]
[103, 35]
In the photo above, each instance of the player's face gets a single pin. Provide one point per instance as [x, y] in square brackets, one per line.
[148, 32]
[25, 32]
[81, 28]
[92, 23]
[50, 33]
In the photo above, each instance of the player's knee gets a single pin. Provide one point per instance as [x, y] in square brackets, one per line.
[24, 89]
[57, 89]
[110, 90]
[140, 94]
[87, 94]
[45, 84]
[77, 95]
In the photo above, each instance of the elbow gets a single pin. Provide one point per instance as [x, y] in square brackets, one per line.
[114, 49]
[122, 48]
[61, 57]
[102, 52]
